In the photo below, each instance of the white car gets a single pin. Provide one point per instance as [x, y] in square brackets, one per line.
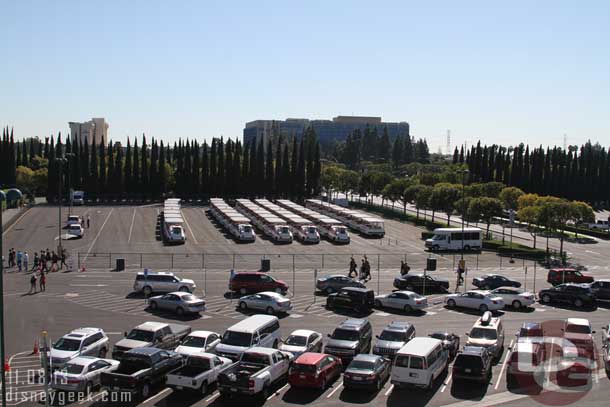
[76, 230]
[515, 297]
[74, 220]
[82, 374]
[198, 342]
[268, 301]
[403, 300]
[474, 300]
[79, 342]
[161, 282]
[301, 341]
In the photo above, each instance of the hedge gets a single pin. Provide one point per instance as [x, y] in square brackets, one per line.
[590, 232]
[518, 250]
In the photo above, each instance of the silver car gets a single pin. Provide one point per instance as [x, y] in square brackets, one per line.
[82, 374]
[334, 283]
[178, 302]
[301, 341]
[268, 301]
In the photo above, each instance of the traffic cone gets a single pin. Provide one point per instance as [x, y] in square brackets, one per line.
[35, 350]
[83, 269]
[7, 366]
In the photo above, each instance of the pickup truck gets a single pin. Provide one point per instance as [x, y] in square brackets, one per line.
[139, 370]
[255, 373]
[157, 334]
[199, 372]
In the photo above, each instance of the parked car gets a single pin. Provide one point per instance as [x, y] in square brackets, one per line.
[451, 342]
[606, 358]
[575, 368]
[178, 302]
[256, 282]
[161, 282]
[82, 374]
[406, 301]
[515, 297]
[257, 330]
[567, 275]
[491, 281]
[355, 299]
[488, 332]
[79, 342]
[421, 282]
[268, 301]
[351, 337]
[74, 220]
[255, 373]
[198, 373]
[606, 334]
[198, 342]
[574, 294]
[580, 333]
[314, 370]
[474, 300]
[419, 363]
[601, 289]
[76, 230]
[140, 369]
[334, 283]
[522, 368]
[157, 334]
[393, 337]
[472, 363]
[530, 332]
[302, 341]
[367, 372]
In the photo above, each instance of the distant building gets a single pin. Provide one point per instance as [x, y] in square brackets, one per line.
[328, 131]
[96, 127]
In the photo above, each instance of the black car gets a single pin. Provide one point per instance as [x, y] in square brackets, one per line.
[472, 363]
[601, 289]
[451, 341]
[352, 298]
[350, 338]
[419, 282]
[367, 372]
[493, 281]
[579, 295]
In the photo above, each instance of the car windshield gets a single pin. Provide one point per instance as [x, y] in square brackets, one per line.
[189, 297]
[203, 363]
[176, 230]
[393, 336]
[361, 365]
[237, 338]
[284, 229]
[247, 229]
[73, 368]
[438, 237]
[345, 335]
[139, 335]
[483, 333]
[468, 361]
[311, 230]
[296, 340]
[256, 358]
[525, 332]
[74, 227]
[578, 329]
[439, 335]
[341, 231]
[194, 342]
[67, 344]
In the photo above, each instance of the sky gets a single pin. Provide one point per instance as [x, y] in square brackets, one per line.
[499, 72]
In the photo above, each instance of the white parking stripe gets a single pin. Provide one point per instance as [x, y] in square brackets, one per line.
[213, 397]
[508, 352]
[387, 393]
[277, 392]
[133, 218]
[334, 390]
[161, 393]
[99, 232]
[189, 226]
[446, 382]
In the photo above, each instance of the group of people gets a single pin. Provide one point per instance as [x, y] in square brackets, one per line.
[18, 259]
[43, 263]
[365, 269]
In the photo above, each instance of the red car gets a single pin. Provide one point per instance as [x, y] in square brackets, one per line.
[562, 276]
[314, 370]
[256, 282]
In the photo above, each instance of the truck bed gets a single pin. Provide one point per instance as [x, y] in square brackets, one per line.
[189, 371]
[239, 374]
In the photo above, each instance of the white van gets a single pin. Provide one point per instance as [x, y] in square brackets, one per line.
[257, 330]
[419, 363]
[451, 239]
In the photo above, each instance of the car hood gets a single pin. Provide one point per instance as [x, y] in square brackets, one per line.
[189, 350]
[63, 354]
[481, 342]
[389, 344]
[230, 348]
[336, 343]
[381, 297]
[132, 344]
[187, 281]
[296, 350]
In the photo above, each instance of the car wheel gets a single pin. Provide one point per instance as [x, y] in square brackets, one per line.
[408, 308]
[265, 393]
[243, 291]
[546, 298]
[578, 303]
[270, 311]
[483, 308]
[180, 311]
[516, 304]
[145, 391]
[430, 384]
[147, 291]
[88, 388]
[275, 343]
[451, 303]
[184, 289]
[435, 248]
[204, 388]
[486, 287]
[328, 290]
[378, 304]
[243, 305]
[153, 305]
[466, 247]
[102, 353]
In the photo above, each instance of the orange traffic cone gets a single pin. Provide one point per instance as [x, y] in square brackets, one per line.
[35, 350]
[83, 269]
[7, 366]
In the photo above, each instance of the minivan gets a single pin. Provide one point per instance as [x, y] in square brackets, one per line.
[419, 363]
[257, 330]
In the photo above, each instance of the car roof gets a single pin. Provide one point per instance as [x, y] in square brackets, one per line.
[240, 273]
[145, 351]
[531, 325]
[310, 358]
[353, 323]
[157, 273]
[578, 321]
[261, 350]
[201, 334]
[562, 269]
[398, 326]
[303, 332]
[419, 346]
[152, 325]
[83, 332]
[84, 360]
[525, 347]
[443, 333]
[473, 350]
[252, 323]
[272, 294]
[356, 289]
[366, 357]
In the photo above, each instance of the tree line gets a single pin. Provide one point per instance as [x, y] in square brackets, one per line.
[153, 169]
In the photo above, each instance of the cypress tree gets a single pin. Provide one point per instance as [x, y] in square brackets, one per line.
[46, 147]
[135, 162]
[229, 182]
[128, 170]
[119, 178]
[278, 188]
[12, 176]
[93, 183]
[301, 172]
[162, 170]
[220, 173]
[384, 145]
[144, 166]
[205, 170]
[32, 150]
[237, 181]
[285, 178]
[213, 168]
[196, 170]
[110, 184]
[317, 170]
[269, 175]
[397, 152]
[260, 169]
[252, 175]
[102, 179]
[52, 173]
[294, 179]
[408, 150]
[245, 168]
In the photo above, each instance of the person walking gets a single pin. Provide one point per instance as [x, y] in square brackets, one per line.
[88, 221]
[232, 275]
[36, 261]
[43, 262]
[43, 282]
[353, 267]
[32, 284]
[55, 260]
[11, 257]
[19, 259]
[26, 259]
[63, 260]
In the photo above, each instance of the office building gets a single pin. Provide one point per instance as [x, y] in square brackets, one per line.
[96, 127]
[328, 131]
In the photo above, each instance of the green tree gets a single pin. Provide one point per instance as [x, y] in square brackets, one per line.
[485, 209]
[422, 198]
[510, 197]
[443, 198]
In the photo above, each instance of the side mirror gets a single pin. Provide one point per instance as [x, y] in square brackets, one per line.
[377, 336]
[125, 333]
[328, 335]
[467, 334]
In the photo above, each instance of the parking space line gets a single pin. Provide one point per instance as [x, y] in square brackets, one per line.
[387, 393]
[450, 376]
[213, 397]
[189, 226]
[334, 390]
[133, 218]
[161, 393]
[508, 352]
[277, 392]
[99, 232]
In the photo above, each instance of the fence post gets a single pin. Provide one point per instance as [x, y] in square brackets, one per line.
[477, 268]
[378, 273]
[534, 290]
[78, 260]
[525, 285]
[203, 261]
[233, 261]
[322, 261]
[293, 278]
[500, 262]
[172, 261]
[453, 267]
[140, 260]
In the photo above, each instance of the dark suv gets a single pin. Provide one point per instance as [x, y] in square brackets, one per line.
[601, 289]
[352, 298]
[579, 295]
[562, 276]
[393, 337]
[256, 282]
[352, 337]
[473, 363]
[493, 281]
[417, 282]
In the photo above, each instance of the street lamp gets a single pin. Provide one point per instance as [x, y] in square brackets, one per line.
[60, 162]
[11, 195]
[464, 173]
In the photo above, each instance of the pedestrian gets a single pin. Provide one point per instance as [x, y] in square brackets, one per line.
[26, 259]
[43, 282]
[88, 221]
[63, 259]
[11, 258]
[32, 284]
[36, 261]
[19, 259]
[48, 255]
[232, 275]
[54, 259]
[353, 267]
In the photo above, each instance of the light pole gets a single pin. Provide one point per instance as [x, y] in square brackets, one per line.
[60, 162]
[10, 195]
[464, 173]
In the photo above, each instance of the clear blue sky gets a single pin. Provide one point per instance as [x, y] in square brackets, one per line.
[521, 71]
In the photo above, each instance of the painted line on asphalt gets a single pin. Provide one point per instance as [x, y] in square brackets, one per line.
[387, 393]
[189, 226]
[277, 392]
[98, 235]
[161, 393]
[88, 285]
[213, 397]
[504, 364]
[133, 218]
[334, 390]
[447, 382]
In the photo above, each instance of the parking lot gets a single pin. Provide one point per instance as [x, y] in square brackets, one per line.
[95, 295]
